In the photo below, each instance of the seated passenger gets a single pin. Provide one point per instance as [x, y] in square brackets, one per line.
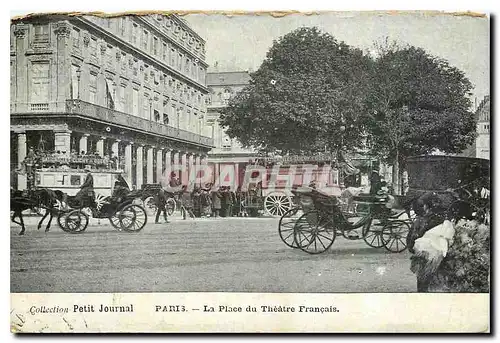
[120, 189]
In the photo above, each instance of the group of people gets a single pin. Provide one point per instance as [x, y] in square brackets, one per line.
[208, 201]
[199, 201]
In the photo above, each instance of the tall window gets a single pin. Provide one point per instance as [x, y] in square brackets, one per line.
[110, 94]
[179, 62]
[135, 102]
[174, 122]
[188, 66]
[93, 88]
[135, 67]
[145, 107]
[76, 38]
[74, 82]
[165, 52]
[40, 79]
[172, 57]
[123, 25]
[201, 75]
[109, 56]
[41, 32]
[135, 32]
[155, 46]
[226, 96]
[93, 46]
[146, 73]
[180, 119]
[145, 40]
[165, 119]
[189, 121]
[121, 99]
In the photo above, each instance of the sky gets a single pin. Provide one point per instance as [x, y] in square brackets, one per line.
[240, 42]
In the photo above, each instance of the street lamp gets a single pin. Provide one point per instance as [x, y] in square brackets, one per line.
[78, 75]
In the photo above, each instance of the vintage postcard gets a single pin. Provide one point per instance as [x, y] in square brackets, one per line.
[250, 172]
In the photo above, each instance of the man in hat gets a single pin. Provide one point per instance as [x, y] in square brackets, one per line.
[161, 203]
[375, 183]
[87, 188]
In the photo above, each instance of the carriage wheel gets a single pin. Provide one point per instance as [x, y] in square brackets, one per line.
[171, 206]
[286, 225]
[314, 232]
[372, 234]
[394, 235]
[133, 218]
[150, 205]
[115, 221]
[61, 221]
[74, 221]
[276, 204]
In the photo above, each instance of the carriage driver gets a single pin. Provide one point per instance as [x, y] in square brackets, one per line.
[87, 188]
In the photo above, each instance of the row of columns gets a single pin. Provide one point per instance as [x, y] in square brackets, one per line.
[170, 156]
[164, 158]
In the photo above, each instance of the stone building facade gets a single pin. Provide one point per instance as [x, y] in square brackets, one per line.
[131, 86]
[483, 129]
[227, 155]
[481, 146]
[222, 86]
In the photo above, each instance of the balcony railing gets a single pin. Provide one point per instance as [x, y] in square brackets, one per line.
[39, 107]
[26, 107]
[109, 115]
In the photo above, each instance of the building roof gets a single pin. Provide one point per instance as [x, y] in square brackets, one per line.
[230, 78]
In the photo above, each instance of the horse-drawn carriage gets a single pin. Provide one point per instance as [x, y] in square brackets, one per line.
[124, 212]
[313, 225]
[461, 184]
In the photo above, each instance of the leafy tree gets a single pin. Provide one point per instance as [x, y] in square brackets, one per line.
[309, 88]
[417, 103]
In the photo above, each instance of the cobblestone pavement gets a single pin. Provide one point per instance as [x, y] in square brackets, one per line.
[201, 255]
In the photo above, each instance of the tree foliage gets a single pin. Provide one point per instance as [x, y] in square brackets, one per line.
[417, 103]
[308, 85]
[311, 87]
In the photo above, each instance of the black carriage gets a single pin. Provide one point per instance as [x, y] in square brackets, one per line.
[461, 185]
[124, 213]
[314, 224]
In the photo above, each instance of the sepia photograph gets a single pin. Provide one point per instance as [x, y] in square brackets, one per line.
[187, 152]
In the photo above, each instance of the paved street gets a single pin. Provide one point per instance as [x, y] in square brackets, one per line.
[232, 254]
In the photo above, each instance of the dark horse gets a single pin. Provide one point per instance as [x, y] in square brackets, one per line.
[41, 198]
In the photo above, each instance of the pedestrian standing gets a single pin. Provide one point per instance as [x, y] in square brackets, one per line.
[216, 202]
[196, 196]
[186, 203]
[206, 203]
[161, 205]
[226, 202]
